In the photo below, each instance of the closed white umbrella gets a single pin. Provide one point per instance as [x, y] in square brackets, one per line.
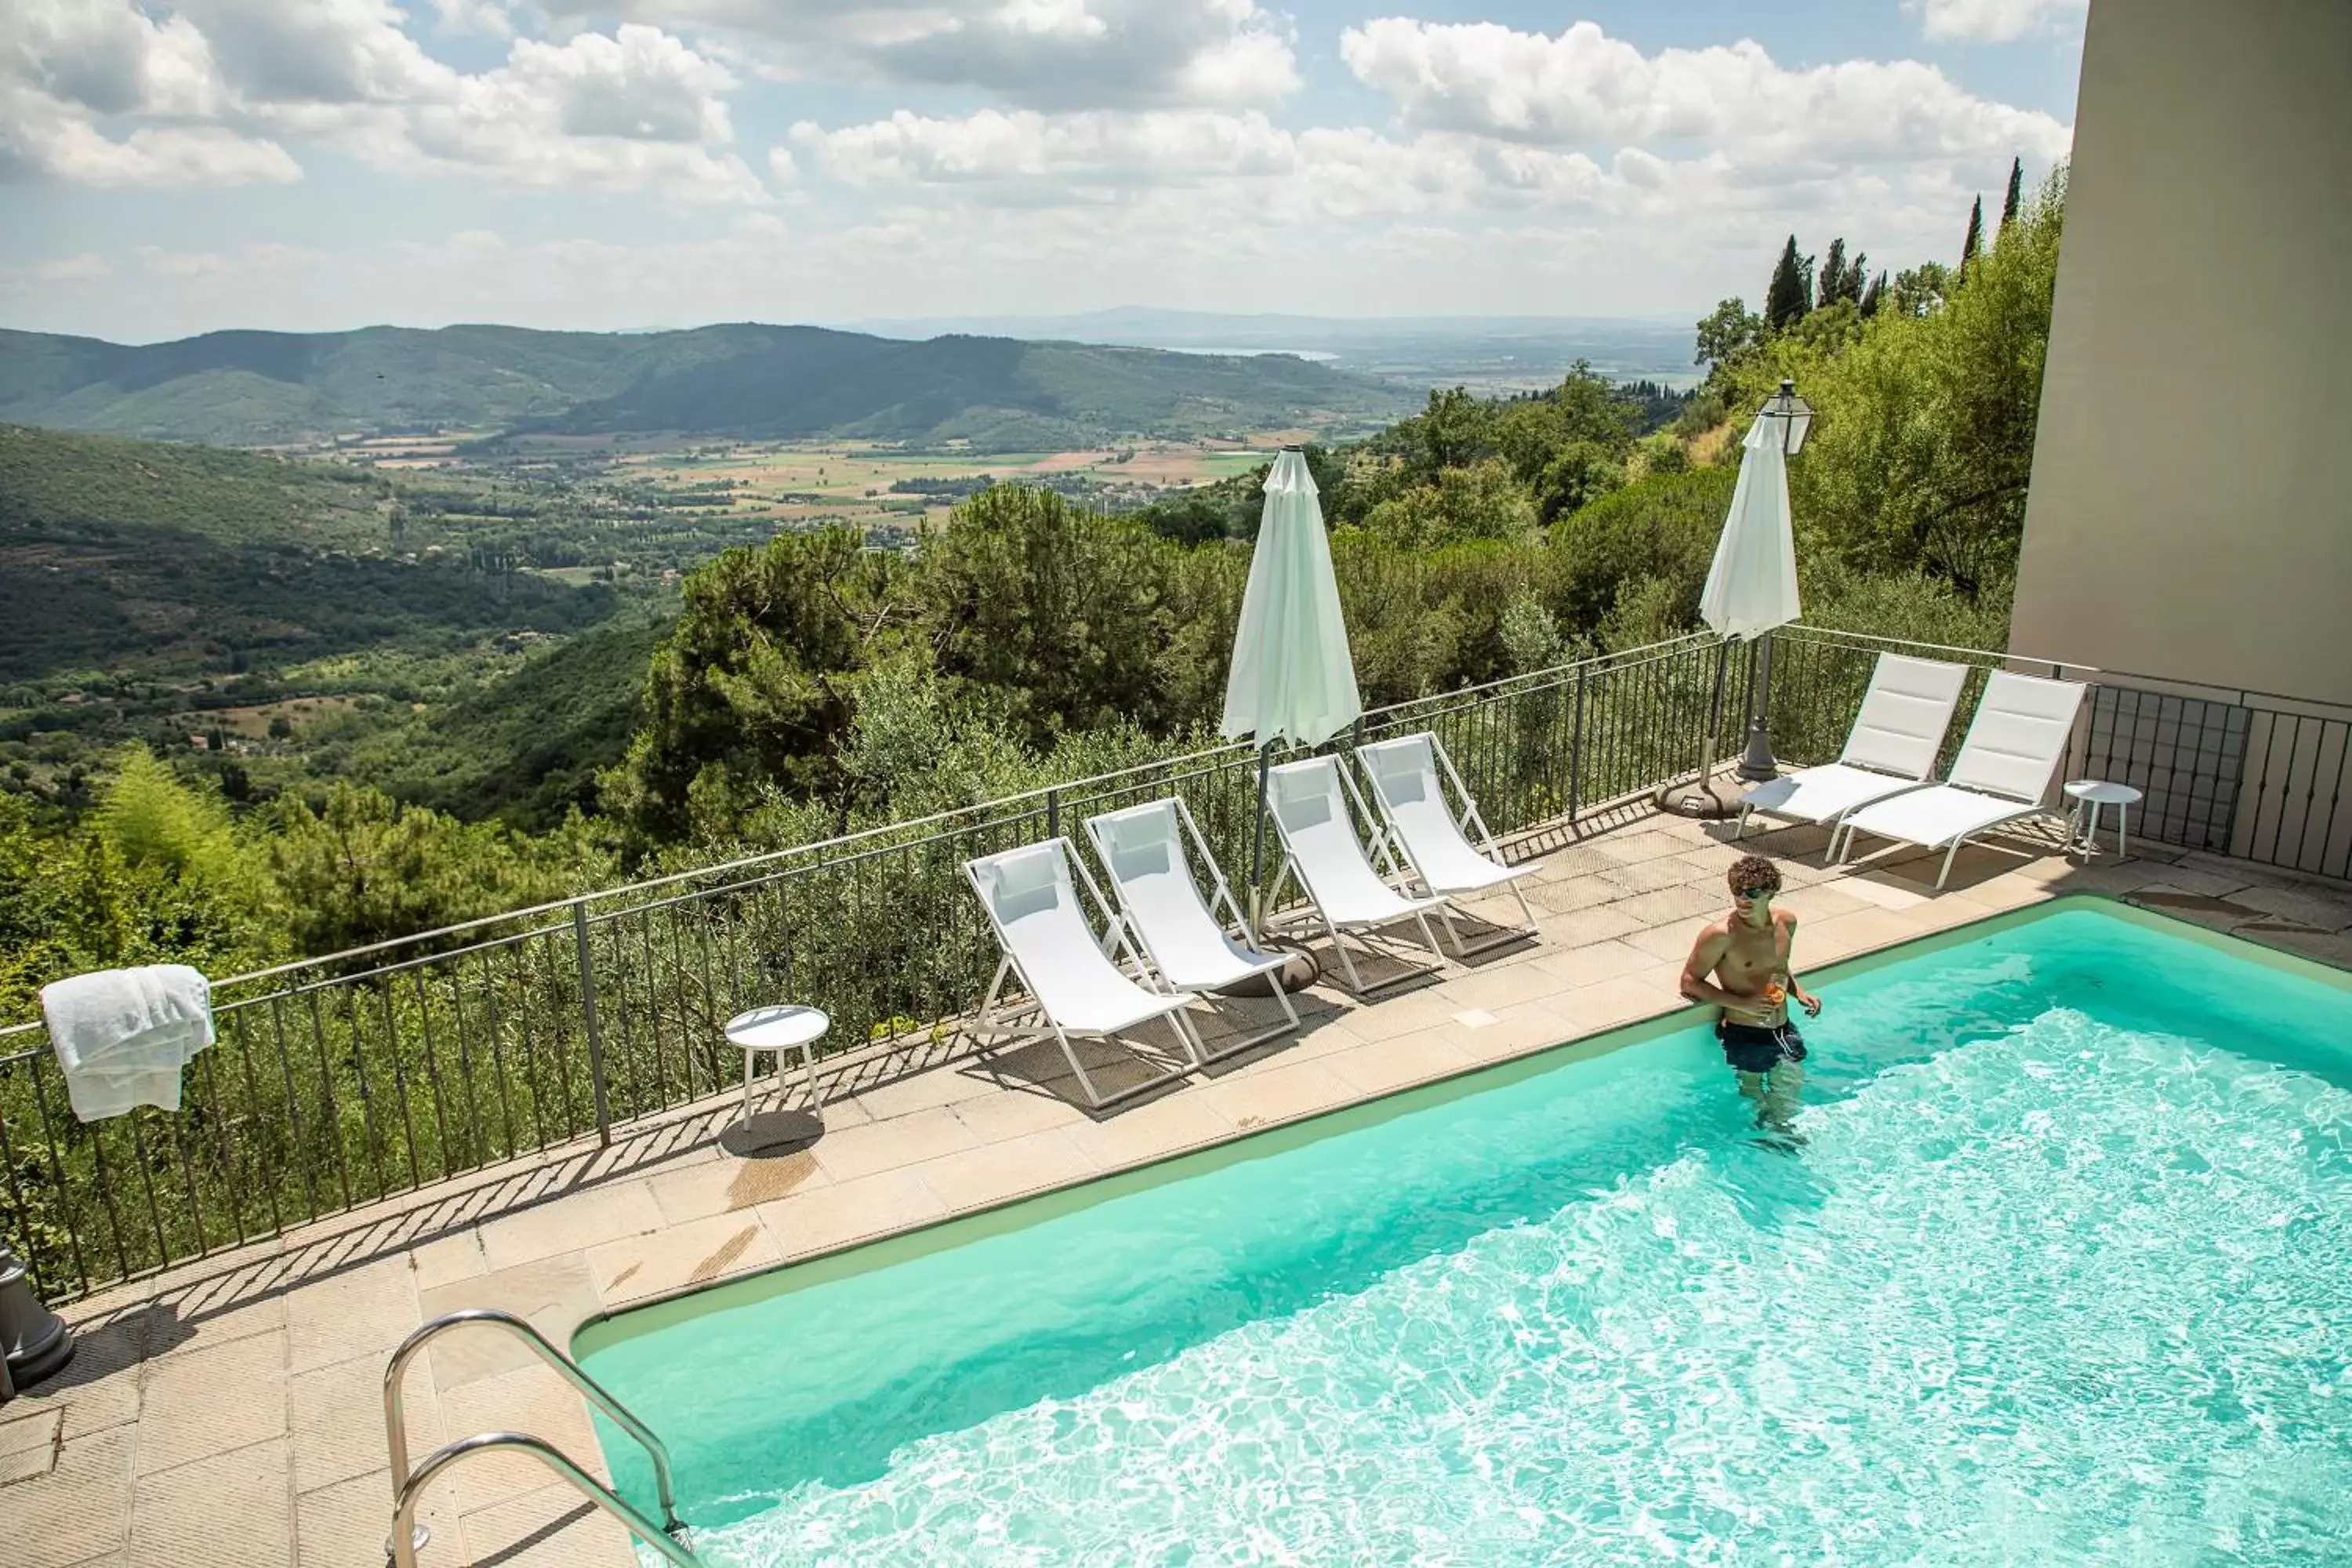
[1292, 679]
[1751, 586]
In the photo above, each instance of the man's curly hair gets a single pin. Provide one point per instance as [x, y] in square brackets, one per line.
[1753, 871]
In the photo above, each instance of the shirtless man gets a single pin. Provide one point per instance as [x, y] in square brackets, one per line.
[1740, 962]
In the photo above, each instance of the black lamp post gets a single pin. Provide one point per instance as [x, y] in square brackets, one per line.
[1795, 421]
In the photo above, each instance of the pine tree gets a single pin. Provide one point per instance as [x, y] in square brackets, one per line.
[1833, 275]
[2016, 193]
[1790, 295]
[1973, 247]
[1870, 299]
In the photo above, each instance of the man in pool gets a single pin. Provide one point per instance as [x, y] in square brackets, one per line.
[1740, 962]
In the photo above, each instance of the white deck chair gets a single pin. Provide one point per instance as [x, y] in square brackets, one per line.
[2014, 744]
[1051, 947]
[1891, 749]
[1142, 847]
[1412, 800]
[1308, 802]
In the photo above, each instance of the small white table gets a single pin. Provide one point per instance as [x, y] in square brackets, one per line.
[2088, 795]
[781, 1028]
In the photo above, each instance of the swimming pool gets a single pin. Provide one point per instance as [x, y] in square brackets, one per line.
[2064, 1275]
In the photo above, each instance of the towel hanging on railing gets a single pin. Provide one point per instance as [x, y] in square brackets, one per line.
[123, 1034]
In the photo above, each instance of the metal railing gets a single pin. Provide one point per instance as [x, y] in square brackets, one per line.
[395, 1418]
[404, 1533]
[339, 1081]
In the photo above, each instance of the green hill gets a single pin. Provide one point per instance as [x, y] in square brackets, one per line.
[247, 388]
[135, 558]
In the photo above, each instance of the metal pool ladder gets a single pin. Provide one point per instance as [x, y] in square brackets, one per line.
[667, 1538]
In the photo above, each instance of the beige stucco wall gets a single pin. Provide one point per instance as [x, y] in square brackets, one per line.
[2190, 514]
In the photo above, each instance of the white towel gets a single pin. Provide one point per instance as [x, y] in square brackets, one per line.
[123, 1034]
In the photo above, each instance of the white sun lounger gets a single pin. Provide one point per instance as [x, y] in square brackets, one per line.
[1411, 799]
[1050, 946]
[1891, 749]
[1142, 847]
[2003, 770]
[1308, 802]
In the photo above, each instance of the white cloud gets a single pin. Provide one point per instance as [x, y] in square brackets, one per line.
[1081, 150]
[1038, 54]
[1585, 89]
[1994, 21]
[64, 65]
[215, 91]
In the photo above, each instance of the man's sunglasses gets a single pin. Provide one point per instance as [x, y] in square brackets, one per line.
[1754, 892]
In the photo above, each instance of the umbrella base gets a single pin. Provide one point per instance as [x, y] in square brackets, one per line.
[1707, 801]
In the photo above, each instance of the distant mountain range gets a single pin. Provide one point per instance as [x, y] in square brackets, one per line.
[250, 388]
[1491, 352]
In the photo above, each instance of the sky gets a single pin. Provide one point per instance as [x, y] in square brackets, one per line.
[169, 167]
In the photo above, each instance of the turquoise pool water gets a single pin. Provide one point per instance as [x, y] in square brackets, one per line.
[2064, 1275]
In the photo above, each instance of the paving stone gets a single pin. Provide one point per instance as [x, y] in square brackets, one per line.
[1383, 1066]
[335, 1418]
[344, 1525]
[692, 1254]
[850, 1211]
[995, 1117]
[724, 1186]
[79, 1511]
[1593, 961]
[533, 1400]
[370, 1308]
[1677, 903]
[553, 1527]
[974, 1178]
[446, 1259]
[577, 1220]
[1291, 1090]
[227, 1396]
[233, 1507]
[28, 1444]
[554, 1294]
[902, 1140]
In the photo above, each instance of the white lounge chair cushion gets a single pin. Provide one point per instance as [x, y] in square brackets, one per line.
[1405, 783]
[2019, 734]
[1033, 902]
[1823, 794]
[1311, 814]
[1903, 715]
[1143, 849]
[1938, 815]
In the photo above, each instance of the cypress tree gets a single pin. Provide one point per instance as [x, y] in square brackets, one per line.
[1852, 288]
[1833, 275]
[1789, 294]
[1872, 296]
[1973, 247]
[2009, 203]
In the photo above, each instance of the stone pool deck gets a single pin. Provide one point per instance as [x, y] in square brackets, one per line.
[230, 1414]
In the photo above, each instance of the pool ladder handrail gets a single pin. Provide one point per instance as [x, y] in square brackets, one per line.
[406, 1488]
[408, 1536]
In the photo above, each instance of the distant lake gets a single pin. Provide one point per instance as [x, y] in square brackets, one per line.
[1317, 355]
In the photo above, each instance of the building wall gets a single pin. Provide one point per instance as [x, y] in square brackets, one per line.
[2190, 515]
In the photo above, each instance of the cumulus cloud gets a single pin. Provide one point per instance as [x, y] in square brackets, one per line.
[67, 64]
[1994, 21]
[1583, 88]
[215, 89]
[1039, 54]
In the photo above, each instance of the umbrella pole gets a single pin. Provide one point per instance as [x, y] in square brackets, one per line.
[1257, 847]
[1698, 798]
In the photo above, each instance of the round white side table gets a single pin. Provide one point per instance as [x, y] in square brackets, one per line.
[785, 1027]
[2088, 795]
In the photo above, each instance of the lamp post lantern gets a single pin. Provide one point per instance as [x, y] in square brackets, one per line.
[1793, 418]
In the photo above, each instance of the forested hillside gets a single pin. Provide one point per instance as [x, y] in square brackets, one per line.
[808, 685]
[278, 388]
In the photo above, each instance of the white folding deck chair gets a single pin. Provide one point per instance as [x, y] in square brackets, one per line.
[1891, 749]
[1142, 847]
[2014, 744]
[1412, 800]
[1308, 802]
[1050, 946]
